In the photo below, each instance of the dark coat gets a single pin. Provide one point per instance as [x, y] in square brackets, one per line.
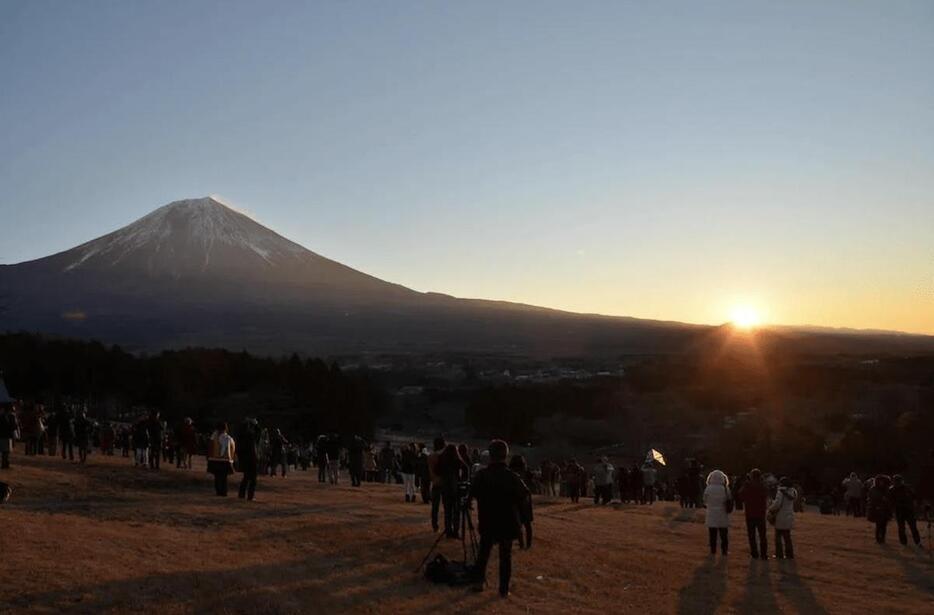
[246, 450]
[754, 496]
[500, 496]
[7, 425]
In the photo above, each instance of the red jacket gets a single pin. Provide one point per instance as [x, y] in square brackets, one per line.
[754, 495]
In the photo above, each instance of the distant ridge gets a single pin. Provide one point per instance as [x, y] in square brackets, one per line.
[197, 272]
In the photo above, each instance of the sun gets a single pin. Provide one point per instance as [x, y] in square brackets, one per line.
[745, 317]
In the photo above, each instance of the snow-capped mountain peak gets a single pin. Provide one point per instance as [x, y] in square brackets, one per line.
[188, 236]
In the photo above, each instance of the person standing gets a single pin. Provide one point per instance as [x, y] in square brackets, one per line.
[649, 476]
[576, 476]
[434, 470]
[156, 437]
[278, 446]
[334, 459]
[407, 467]
[451, 466]
[83, 427]
[8, 428]
[755, 496]
[635, 485]
[783, 511]
[355, 458]
[247, 458]
[424, 476]
[221, 453]
[141, 443]
[718, 500]
[386, 462]
[903, 501]
[879, 509]
[500, 494]
[66, 432]
[187, 443]
[108, 437]
[603, 481]
[853, 492]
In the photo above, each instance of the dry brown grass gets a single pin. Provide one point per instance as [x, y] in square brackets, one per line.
[110, 538]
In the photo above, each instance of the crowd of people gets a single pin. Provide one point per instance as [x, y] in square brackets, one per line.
[449, 477]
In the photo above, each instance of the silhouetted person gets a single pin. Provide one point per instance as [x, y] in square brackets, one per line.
[603, 481]
[434, 470]
[755, 495]
[903, 501]
[156, 437]
[451, 466]
[500, 495]
[221, 451]
[247, 459]
[66, 432]
[321, 458]
[879, 509]
[83, 428]
[387, 460]
[576, 477]
[277, 447]
[423, 475]
[649, 477]
[853, 492]
[355, 457]
[407, 467]
[8, 427]
[140, 443]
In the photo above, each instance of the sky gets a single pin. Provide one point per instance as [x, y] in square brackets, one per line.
[671, 160]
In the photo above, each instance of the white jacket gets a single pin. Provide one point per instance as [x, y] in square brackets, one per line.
[715, 498]
[784, 506]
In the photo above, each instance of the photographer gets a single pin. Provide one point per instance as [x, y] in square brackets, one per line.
[500, 495]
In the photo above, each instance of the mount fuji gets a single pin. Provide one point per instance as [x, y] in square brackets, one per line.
[199, 273]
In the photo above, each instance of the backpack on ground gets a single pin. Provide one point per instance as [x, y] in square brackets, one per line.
[442, 570]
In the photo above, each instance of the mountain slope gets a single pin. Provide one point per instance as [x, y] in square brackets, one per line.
[196, 272]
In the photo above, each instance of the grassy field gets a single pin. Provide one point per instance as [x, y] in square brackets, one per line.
[107, 537]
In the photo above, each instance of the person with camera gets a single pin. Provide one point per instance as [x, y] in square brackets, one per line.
[500, 495]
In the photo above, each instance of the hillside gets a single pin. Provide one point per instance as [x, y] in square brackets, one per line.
[107, 538]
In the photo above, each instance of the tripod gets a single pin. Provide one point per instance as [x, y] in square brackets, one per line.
[930, 520]
[468, 535]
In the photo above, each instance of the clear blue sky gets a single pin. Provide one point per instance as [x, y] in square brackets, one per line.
[654, 159]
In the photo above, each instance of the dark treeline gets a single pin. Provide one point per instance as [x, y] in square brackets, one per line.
[815, 418]
[305, 396]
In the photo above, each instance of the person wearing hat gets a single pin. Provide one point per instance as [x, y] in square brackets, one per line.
[783, 515]
[500, 495]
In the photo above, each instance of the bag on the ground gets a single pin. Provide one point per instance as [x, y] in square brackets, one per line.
[441, 570]
[5, 492]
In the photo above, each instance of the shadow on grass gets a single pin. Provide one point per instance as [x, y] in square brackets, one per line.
[706, 590]
[350, 580]
[758, 597]
[794, 588]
